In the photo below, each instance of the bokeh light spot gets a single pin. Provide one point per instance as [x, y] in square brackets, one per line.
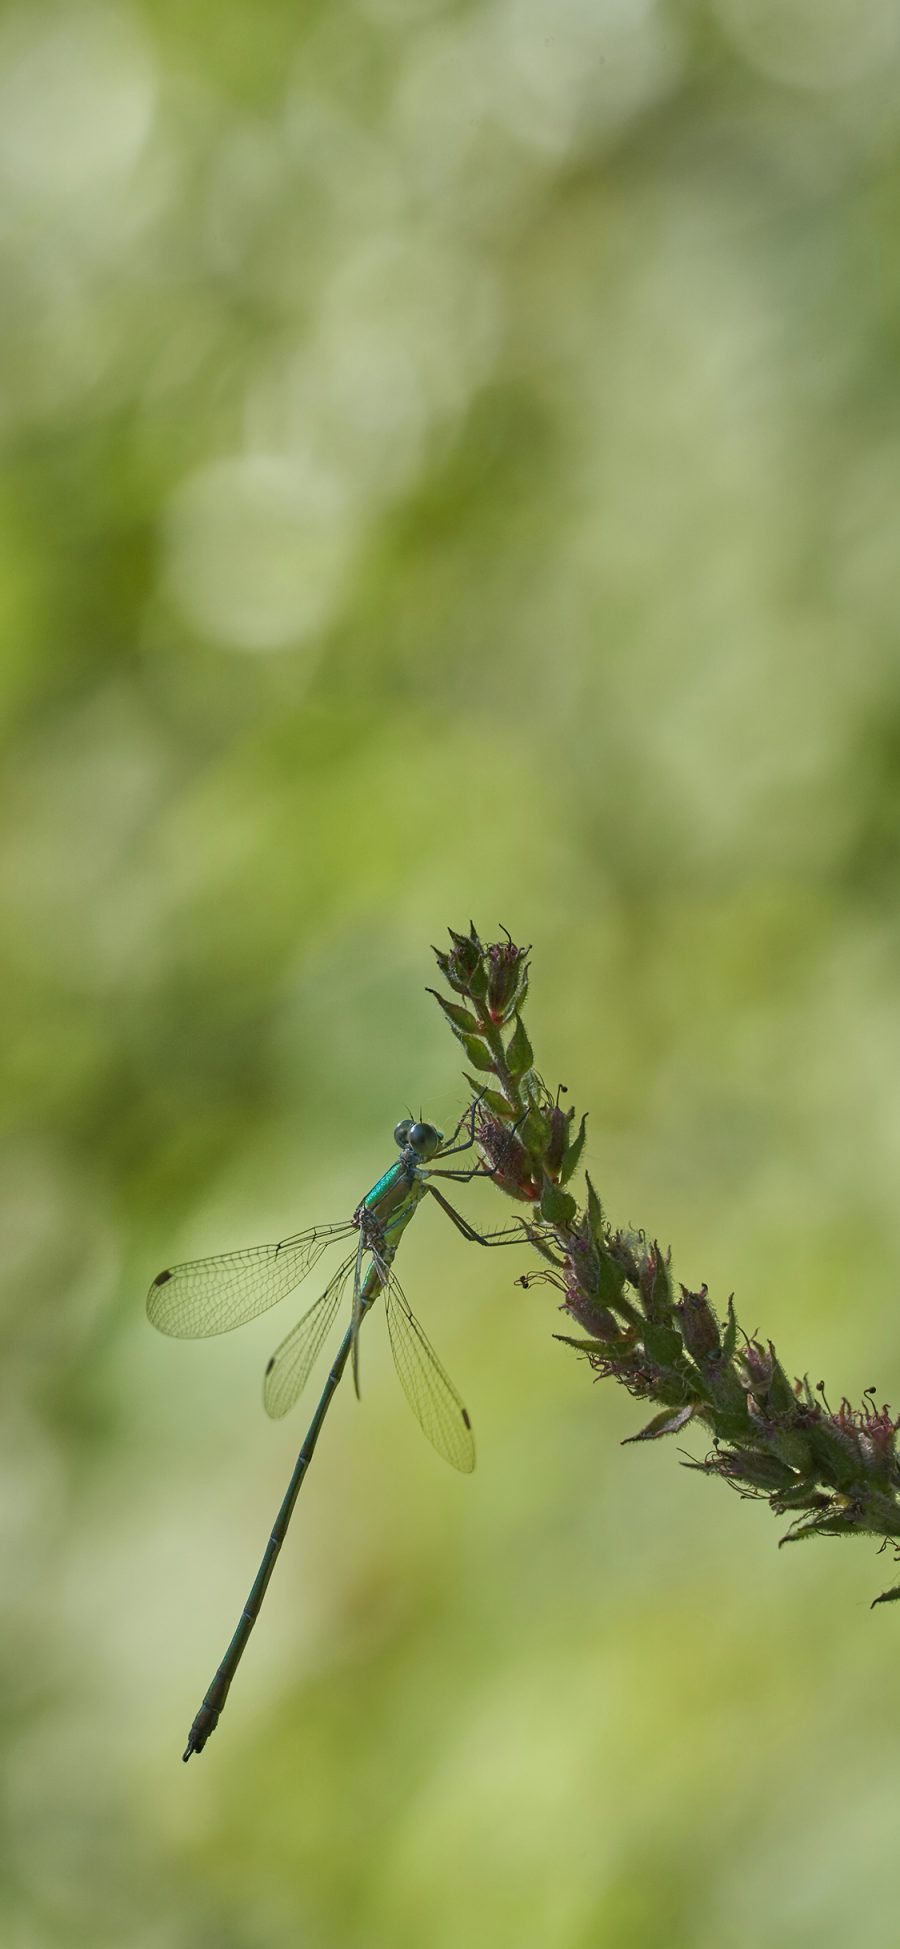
[77, 94]
[256, 549]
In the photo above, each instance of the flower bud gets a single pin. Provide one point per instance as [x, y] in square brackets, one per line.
[511, 1166]
[756, 1365]
[699, 1326]
[557, 1143]
[878, 1431]
[596, 1320]
[462, 967]
[583, 1260]
[756, 1468]
[653, 1277]
[507, 979]
[628, 1248]
[869, 1435]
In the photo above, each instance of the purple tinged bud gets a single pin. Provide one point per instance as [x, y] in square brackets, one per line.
[465, 967]
[557, 1140]
[872, 1434]
[755, 1468]
[596, 1320]
[449, 971]
[880, 1430]
[655, 1283]
[465, 955]
[506, 973]
[757, 1367]
[511, 1166]
[583, 1262]
[699, 1326]
[627, 1248]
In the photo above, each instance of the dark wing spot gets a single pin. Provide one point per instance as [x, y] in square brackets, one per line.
[270, 1364]
[466, 1419]
[161, 1278]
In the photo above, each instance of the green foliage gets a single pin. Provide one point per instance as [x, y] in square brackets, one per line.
[519, 1055]
[478, 1053]
[667, 1422]
[459, 1018]
[572, 1156]
[556, 1206]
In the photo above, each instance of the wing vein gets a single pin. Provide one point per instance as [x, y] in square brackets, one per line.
[205, 1296]
[429, 1390]
[292, 1363]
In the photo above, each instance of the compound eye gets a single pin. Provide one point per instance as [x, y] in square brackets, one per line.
[424, 1138]
[401, 1134]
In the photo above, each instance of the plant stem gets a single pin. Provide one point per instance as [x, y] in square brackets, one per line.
[831, 1472]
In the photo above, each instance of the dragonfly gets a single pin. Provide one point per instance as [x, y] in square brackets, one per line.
[208, 1296]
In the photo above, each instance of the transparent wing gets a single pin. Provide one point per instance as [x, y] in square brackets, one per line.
[213, 1295]
[428, 1389]
[291, 1365]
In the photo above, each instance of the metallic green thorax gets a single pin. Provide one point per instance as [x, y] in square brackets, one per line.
[395, 1197]
[391, 1202]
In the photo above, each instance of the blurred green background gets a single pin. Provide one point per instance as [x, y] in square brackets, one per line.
[451, 457]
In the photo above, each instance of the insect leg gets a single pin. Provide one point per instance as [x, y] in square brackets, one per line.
[509, 1236]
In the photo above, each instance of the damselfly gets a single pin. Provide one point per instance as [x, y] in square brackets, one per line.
[206, 1296]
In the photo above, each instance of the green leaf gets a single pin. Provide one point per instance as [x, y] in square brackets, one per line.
[477, 1051]
[573, 1154]
[833, 1523]
[478, 983]
[666, 1423]
[612, 1278]
[556, 1206]
[729, 1338]
[519, 1055]
[595, 1213]
[491, 1100]
[461, 1018]
[836, 1454]
[663, 1344]
[532, 1090]
[803, 1494]
[535, 1239]
[760, 1471]
[662, 1283]
[791, 1444]
[534, 1133]
[781, 1396]
[733, 1427]
[726, 1391]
